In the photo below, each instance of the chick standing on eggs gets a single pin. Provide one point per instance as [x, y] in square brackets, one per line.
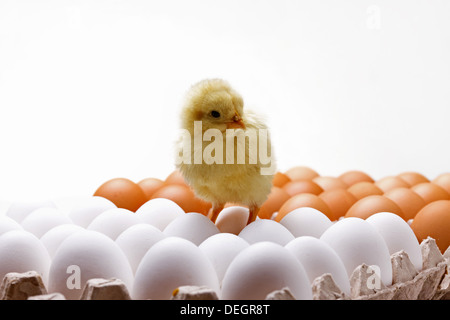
[218, 108]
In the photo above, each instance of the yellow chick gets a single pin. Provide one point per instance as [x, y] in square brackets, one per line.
[215, 166]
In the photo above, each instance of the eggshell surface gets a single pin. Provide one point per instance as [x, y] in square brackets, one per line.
[398, 235]
[318, 258]
[266, 230]
[169, 264]
[261, 269]
[221, 249]
[194, 227]
[356, 241]
[159, 212]
[86, 255]
[306, 222]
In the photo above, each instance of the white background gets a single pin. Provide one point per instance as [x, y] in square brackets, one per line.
[91, 90]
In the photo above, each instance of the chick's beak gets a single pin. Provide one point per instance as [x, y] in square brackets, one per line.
[237, 123]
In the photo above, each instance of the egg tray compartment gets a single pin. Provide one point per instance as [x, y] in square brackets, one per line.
[431, 283]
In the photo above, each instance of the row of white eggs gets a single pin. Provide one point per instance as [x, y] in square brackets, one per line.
[160, 248]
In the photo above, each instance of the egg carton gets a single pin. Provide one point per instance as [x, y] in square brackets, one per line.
[431, 283]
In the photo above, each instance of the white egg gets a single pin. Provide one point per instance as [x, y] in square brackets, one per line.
[136, 240]
[356, 241]
[232, 219]
[398, 235]
[19, 210]
[113, 222]
[56, 235]
[41, 220]
[21, 251]
[192, 226]
[266, 230]
[85, 255]
[221, 249]
[306, 222]
[318, 258]
[169, 264]
[87, 210]
[8, 224]
[159, 212]
[261, 269]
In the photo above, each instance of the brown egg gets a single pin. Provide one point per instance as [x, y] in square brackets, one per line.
[434, 220]
[339, 201]
[150, 185]
[370, 205]
[280, 179]
[443, 181]
[330, 183]
[391, 182]
[430, 192]
[303, 200]
[275, 200]
[302, 186]
[184, 197]
[409, 201]
[123, 193]
[301, 173]
[355, 176]
[364, 189]
[175, 178]
[413, 178]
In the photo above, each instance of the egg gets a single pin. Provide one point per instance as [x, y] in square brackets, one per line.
[232, 219]
[169, 264]
[276, 198]
[87, 210]
[123, 192]
[21, 251]
[398, 235]
[354, 176]
[184, 197]
[391, 182]
[306, 222]
[318, 258]
[367, 206]
[19, 210]
[339, 201]
[330, 183]
[8, 224]
[280, 179]
[159, 212]
[434, 220]
[175, 178]
[302, 186]
[409, 202]
[303, 200]
[221, 249]
[364, 189]
[301, 173]
[443, 180]
[136, 240]
[356, 242]
[56, 235]
[266, 230]
[150, 186]
[430, 192]
[86, 255]
[194, 227]
[413, 178]
[261, 269]
[41, 220]
[113, 222]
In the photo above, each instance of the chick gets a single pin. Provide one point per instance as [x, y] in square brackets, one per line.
[215, 105]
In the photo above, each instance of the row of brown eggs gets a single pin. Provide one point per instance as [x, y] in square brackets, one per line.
[352, 194]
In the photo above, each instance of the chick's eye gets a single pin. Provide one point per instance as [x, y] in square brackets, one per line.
[215, 114]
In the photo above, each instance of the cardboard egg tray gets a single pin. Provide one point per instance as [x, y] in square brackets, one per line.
[431, 283]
